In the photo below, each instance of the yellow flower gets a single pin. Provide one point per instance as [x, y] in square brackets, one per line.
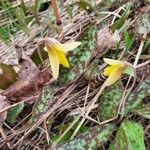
[56, 52]
[115, 70]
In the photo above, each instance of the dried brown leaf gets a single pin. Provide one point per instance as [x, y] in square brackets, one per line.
[106, 39]
[30, 82]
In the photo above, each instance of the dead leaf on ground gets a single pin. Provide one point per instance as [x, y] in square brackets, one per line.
[106, 39]
[30, 82]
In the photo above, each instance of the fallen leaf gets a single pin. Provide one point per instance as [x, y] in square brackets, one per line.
[30, 82]
[106, 39]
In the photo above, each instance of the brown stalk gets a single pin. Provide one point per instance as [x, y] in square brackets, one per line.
[54, 6]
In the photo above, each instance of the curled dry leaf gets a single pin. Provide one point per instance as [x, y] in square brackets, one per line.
[3, 103]
[106, 39]
[30, 82]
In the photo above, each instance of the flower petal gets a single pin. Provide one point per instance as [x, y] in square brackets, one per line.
[108, 70]
[67, 46]
[114, 76]
[114, 62]
[62, 59]
[54, 62]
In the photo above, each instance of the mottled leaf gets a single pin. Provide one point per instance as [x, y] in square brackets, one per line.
[90, 140]
[135, 98]
[143, 23]
[80, 57]
[143, 110]
[92, 71]
[130, 137]
[41, 105]
[14, 112]
[109, 101]
[7, 76]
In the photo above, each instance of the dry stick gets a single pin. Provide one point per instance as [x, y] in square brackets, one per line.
[126, 93]
[87, 93]
[139, 50]
[65, 132]
[46, 132]
[89, 108]
[54, 6]
[4, 136]
[142, 64]
[73, 123]
[8, 107]
[80, 124]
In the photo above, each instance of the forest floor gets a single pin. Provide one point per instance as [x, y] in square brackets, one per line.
[75, 74]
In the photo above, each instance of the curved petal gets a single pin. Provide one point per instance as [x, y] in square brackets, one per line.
[108, 70]
[66, 47]
[54, 62]
[62, 59]
[113, 62]
[114, 76]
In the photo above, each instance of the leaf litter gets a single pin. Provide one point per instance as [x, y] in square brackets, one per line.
[47, 112]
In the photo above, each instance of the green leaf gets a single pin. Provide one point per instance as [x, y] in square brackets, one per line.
[128, 41]
[117, 24]
[80, 57]
[35, 56]
[111, 147]
[4, 36]
[90, 140]
[70, 11]
[147, 44]
[14, 112]
[7, 76]
[129, 71]
[37, 5]
[134, 99]
[84, 5]
[130, 137]
[41, 106]
[143, 110]
[21, 19]
[109, 101]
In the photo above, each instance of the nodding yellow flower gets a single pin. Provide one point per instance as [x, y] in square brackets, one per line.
[115, 70]
[56, 52]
